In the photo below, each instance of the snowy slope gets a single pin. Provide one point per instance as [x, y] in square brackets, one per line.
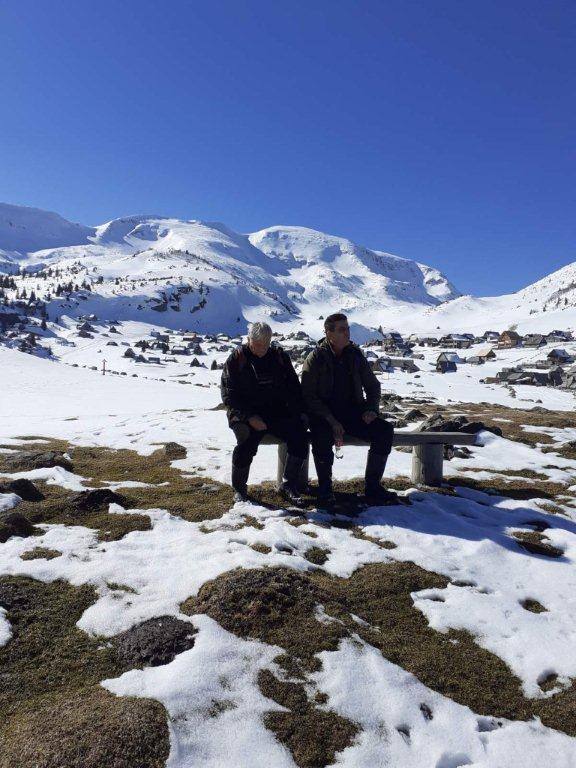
[25, 230]
[543, 306]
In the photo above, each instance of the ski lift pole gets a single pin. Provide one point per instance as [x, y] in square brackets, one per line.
[103, 367]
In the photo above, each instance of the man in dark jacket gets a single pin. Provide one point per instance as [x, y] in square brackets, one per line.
[342, 395]
[261, 392]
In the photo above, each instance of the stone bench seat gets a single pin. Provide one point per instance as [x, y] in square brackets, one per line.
[427, 453]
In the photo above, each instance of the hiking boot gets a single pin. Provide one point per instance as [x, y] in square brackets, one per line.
[239, 483]
[291, 494]
[326, 500]
[325, 493]
[375, 494]
[289, 488]
[379, 496]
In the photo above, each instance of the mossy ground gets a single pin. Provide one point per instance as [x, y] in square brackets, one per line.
[52, 710]
[279, 606]
[191, 498]
[50, 665]
[510, 420]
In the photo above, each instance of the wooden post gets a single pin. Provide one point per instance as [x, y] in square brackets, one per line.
[427, 462]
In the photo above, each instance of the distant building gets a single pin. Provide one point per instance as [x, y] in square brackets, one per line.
[534, 340]
[509, 339]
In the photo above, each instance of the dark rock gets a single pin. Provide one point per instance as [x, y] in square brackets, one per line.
[437, 423]
[15, 524]
[24, 461]
[96, 499]
[414, 414]
[14, 595]
[154, 642]
[175, 451]
[23, 488]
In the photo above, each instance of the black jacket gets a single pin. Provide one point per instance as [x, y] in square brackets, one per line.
[239, 387]
[318, 380]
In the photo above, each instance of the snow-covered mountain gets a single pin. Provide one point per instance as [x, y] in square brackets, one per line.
[138, 266]
[205, 276]
[543, 306]
[25, 230]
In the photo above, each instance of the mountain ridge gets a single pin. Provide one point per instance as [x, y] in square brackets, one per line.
[290, 275]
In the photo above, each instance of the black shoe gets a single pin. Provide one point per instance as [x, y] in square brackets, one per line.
[240, 496]
[379, 496]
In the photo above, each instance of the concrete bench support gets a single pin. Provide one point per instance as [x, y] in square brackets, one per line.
[427, 464]
[427, 454]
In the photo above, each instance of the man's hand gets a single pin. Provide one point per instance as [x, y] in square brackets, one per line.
[257, 423]
[338, 432]
[368, 417]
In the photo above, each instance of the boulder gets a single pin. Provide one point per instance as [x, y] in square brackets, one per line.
[414, 414]
[437, 423]
[96, 499]
[23, 488]
[24, 461]
[154, 642]
[175, 451]
[15, 524]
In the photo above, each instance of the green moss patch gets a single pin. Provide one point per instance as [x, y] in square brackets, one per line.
[89, 729]
[317, 555]
[57, 507]
[537, 544]
[40, 553]
[529, 604]
[52, 710]
[313, 736]
[279, 606]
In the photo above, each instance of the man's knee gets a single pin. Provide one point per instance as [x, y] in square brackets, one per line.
[246, 444]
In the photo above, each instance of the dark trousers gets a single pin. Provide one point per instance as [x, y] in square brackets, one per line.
[290, 429]
[379, 434]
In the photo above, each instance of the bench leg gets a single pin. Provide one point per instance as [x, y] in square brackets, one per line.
[427, 463]
[304, 472]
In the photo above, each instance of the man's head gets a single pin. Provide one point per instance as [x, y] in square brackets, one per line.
[337, 331]
[259, 337]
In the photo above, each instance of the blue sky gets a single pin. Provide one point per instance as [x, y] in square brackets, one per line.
[438, 130]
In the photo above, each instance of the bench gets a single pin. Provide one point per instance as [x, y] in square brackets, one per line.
[427, 453]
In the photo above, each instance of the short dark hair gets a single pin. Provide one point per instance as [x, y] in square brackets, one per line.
[331, 320]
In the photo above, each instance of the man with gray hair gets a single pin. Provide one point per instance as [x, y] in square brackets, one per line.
[261, 392]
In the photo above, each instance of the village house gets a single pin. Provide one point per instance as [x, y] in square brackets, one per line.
[404, 364]
[456, 341]
[490, 335]
[428, 341]
[509, 339]
[555, 337]
[534, 340]
[446, 362]
[559, 357]
[486, 353]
